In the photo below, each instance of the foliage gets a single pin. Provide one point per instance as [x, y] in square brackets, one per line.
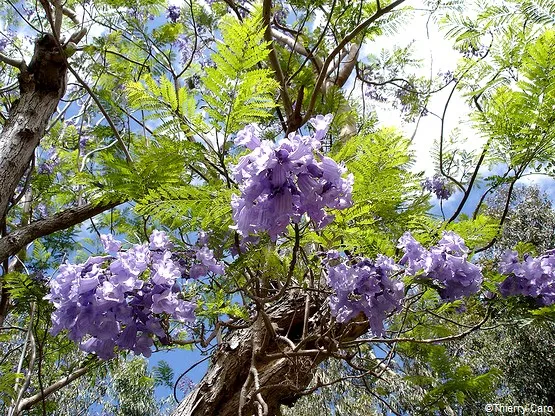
[160, 103]
[385, 192]
[530, 221]
[237, 93]
[166, 103]
[123, 388]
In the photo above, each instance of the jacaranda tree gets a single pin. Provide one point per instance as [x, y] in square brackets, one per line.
[213, 175]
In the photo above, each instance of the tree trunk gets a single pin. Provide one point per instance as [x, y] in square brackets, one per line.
[41, 84]
[254, 372]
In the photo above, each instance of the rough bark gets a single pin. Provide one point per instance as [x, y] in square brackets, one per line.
[16, 240]
[42, 84]
[229, 387]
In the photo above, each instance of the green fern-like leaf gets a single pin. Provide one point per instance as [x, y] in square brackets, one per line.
[174, 107]
[385, 193]
[161, 164]
[477, 232]
[540, 11]
[238, 92]
[23, 288]
[192, 207]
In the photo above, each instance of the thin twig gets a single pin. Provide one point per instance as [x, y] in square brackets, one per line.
[349, 37]
[29, 339]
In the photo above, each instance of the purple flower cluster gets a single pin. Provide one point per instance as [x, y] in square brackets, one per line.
[280, 15]
[186, 47]
[438, 186]
[84, 139]
[3, 43]
[51, 161]
[205, 260]
[10, 37]
[140, 15]
[478, 51]
[173, 13]
[29, 12]
[280, 183]
[534, 277]
[444, 264]
[120, 300]
[366, 288]
[42, 210]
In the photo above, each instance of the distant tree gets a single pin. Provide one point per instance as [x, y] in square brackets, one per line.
[530, 219]
[121, 388]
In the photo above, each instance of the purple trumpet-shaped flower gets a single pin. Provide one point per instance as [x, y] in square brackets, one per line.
[415, 254]
[532, 277]
[207, 263]
[438, 186]
[444, 264]
[370, 287]
[173, 13]
[159, 241]
[109, 243]
[42, 210]
[3, 43]
[119, 301]
[51, 161]
[321, 124]
[248, 137]
[366, 287]
[281, 183]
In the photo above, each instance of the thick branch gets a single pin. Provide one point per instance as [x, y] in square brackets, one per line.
[78, 34]
[17, 63]
[349, 64]
[274, 61]
[296, 46]
[42, 85]
[253, 366]
[348, 38]
[16, 240]
[58, 18]
[31, 401]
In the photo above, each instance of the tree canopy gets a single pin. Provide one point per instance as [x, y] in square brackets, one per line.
[216, 176]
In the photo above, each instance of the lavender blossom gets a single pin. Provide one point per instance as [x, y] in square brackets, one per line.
[366, 288]
[29, 12]
[281, 183]
[83, 140]
[109, 303]
[42, 210]
[532, 277]
[109, 243]
[437, 185]
[280, 15]
[185, 46]
[159, 241]
[173, 13]
[51, 161]
[3, 43]
[321, 124]
[445, 265]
